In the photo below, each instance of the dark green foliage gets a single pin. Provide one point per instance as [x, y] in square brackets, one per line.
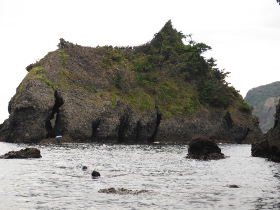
[62, 44]
[29, 67]
[117, 80]
[215, 93]
[243, 106]
[32, 65]
[143, 65]
[166, 52]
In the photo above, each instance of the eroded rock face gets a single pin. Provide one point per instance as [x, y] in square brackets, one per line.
[269, 147]
[203, 148]
[22, 154]
[217, 124]
[65, 113]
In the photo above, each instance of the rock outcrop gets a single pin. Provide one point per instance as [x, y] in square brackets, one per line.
[203, 148]
[107, 94]
[270, 146]
[22, 154]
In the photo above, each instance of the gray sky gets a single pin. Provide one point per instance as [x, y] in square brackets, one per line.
[244, 34]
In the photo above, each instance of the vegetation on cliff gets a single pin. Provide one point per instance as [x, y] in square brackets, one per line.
[165, 73]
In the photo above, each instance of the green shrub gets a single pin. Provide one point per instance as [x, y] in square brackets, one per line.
[117, 80]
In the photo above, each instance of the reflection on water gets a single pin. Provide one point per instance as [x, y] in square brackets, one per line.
[56, 180]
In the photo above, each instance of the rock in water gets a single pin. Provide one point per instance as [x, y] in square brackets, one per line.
[122, 191]
[84, 168]
[203, 148]
[95, 174]
[22, 154]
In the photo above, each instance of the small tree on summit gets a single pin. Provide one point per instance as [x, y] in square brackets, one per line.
[62, 44]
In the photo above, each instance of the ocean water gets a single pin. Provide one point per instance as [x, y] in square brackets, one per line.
[56, 180]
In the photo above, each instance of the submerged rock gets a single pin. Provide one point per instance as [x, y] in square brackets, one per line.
[203, 148]
[122, 191]
[22, 154]
[233, 186]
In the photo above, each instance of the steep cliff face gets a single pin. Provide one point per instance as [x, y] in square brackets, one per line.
[123, 95]
[270, 146]
[264, 100]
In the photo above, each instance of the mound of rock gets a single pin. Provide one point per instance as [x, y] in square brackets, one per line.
[203, 148]
[22, 154]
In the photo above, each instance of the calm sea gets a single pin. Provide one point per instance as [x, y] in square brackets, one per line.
[56, 180]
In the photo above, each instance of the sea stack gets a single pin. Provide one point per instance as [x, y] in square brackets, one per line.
[162, 91]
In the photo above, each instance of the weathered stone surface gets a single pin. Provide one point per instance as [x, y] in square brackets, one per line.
[22, 154]
[203, 148]
[217, 124]
[270, 146]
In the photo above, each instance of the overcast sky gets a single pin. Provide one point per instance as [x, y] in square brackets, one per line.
[244, 34]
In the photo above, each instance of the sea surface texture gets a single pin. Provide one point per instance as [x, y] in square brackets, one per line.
[170, 181]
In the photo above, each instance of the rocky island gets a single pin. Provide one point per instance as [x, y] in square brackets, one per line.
[164, 91]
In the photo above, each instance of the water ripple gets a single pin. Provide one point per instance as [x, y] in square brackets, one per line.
[56, 180]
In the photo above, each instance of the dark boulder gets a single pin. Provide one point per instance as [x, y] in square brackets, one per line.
[203, 148]
[260, 149]
[233, 186]
[95, 174]
[22, 154]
